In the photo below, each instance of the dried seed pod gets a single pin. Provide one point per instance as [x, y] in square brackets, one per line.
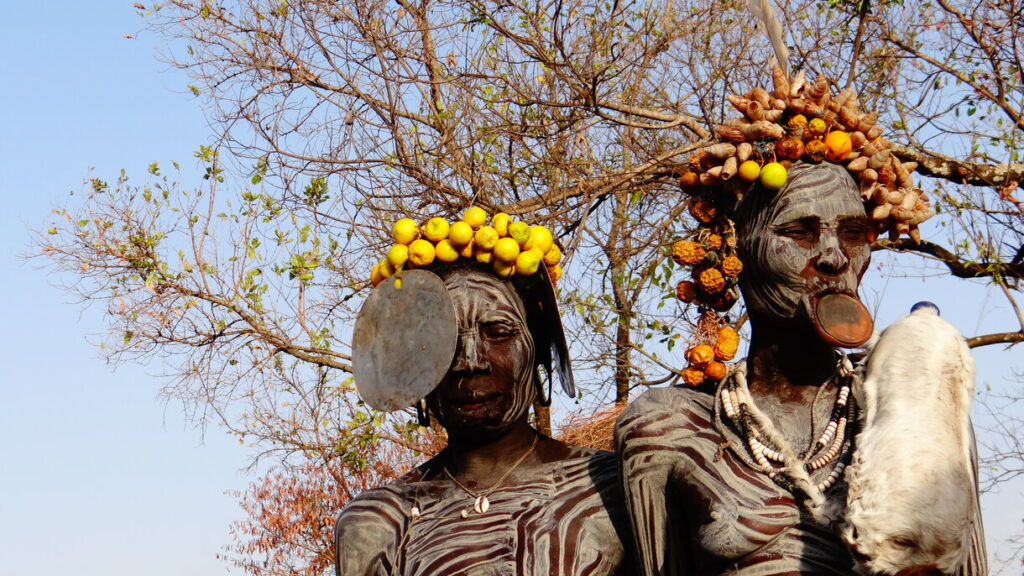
[867, 121]
[857, 140]
[880, 194]
[868, 149]
[743, 151]
[915, 234]
[761, 96]
[730, 133]
[878, 160]
[830, 118]
[707, 179]
[721, 151]
[909, 200]
[772, 115]
[910, 166]
[902, 175]
[881, 143]
[851, 155]
[881, 212]
[813, 109]
[849, 119]
[729, 167]
[869, 175]
[817, 92]
[797, 84]
[764, 130]
[750, 108]
[777, 104]
[867, 191]
[857, 164]
[846, 99]
[886, 177]
[873, 132]
[715, 172]
[736, 123]
[896, 198]
[796, 105]
[780, 82]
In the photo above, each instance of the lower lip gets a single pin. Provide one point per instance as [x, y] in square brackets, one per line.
[476, 406]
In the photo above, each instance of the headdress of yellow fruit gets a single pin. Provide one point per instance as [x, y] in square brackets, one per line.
[509, 246]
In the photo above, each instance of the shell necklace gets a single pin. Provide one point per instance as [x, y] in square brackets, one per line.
[480, 503]
[771, 452]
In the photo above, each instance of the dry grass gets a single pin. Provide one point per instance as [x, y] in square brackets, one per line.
[593, 430]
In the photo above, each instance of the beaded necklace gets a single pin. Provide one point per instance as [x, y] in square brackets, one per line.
[771, 452]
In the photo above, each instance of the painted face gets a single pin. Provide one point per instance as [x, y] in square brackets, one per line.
[490, 383]
[810, 240]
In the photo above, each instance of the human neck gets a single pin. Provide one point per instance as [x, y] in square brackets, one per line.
[787, 354]
[486, 460]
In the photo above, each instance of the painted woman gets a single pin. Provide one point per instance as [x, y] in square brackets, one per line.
[501, 498]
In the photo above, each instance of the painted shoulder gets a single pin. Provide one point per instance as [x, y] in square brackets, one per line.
[665, 412]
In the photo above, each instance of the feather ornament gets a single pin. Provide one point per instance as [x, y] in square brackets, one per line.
[762, 10]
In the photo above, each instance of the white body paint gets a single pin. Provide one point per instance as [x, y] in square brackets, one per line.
[912, 497]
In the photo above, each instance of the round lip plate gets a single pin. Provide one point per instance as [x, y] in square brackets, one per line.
[404, 340]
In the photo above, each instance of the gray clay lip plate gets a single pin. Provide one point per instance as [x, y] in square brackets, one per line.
[404, 340]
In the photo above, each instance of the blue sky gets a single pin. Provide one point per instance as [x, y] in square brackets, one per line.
[98, 476]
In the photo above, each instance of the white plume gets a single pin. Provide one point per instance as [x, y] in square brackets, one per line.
[762, 10]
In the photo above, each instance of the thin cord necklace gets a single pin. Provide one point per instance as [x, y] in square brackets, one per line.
[480, 503]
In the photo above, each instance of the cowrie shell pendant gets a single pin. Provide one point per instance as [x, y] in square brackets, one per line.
[481, 505]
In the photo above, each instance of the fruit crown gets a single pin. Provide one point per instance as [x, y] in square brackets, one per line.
[510, 247]
[797, 121]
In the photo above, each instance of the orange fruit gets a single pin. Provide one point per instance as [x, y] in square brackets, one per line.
[838, 145]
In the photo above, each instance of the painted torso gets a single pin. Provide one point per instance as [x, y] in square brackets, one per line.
[560, 519]
[720, 515]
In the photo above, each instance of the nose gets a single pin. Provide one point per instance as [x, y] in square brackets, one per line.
[831, 259]
[469, 357]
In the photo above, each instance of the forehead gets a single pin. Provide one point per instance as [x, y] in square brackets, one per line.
[475, 293]
[826, 192]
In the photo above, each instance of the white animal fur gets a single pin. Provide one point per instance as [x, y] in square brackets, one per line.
[912, 487]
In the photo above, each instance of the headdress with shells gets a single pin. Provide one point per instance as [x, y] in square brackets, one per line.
[796, 121]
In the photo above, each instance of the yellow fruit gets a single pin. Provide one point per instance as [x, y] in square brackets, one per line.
[503, 268]
[816, 127]
[467, 250]
[553, 255]
[555, 272]
[460, 233]
[475, 216]
[749, 171]
[375, 277]
[421, 253]
[445, 251]
[519, 231]
[506, 249]
[540, 239]
[485, 238]
[773, 176]
[397, 255]
[405, 231]
[436, 229]
[500, 222]
[484, 256]
[527, 262]
[385, 269]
